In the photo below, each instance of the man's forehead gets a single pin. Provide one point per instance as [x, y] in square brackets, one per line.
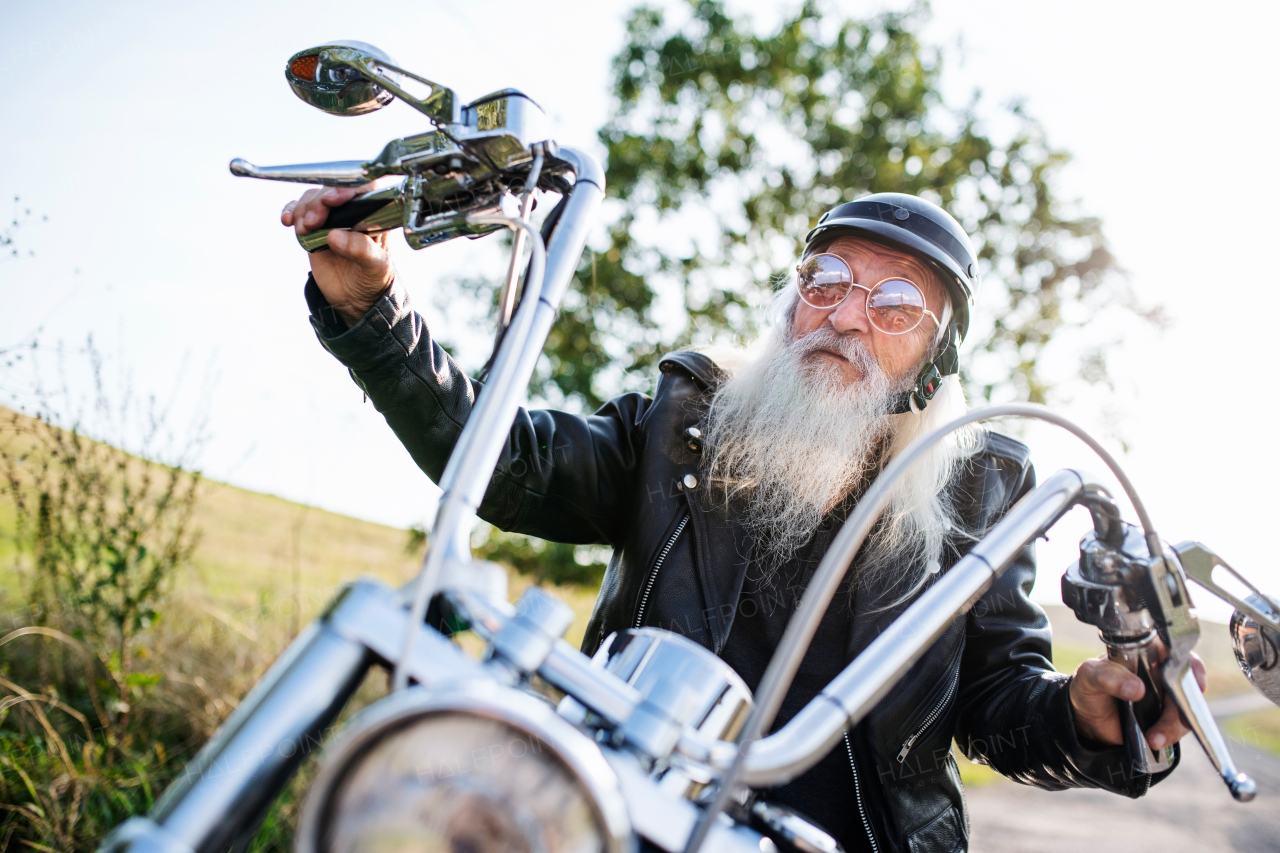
[854, 248]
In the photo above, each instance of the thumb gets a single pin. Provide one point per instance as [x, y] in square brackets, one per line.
[341, 243]
[361, 249]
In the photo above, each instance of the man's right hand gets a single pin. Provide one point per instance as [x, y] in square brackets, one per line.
[356, 270]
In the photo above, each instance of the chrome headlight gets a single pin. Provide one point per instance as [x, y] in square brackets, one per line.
[474, 768]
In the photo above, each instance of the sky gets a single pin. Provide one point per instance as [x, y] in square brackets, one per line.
[119, 119]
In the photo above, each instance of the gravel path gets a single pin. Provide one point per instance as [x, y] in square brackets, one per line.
[1191, 810]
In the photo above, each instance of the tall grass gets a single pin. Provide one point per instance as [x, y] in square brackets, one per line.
[95, 536]
[76, 756]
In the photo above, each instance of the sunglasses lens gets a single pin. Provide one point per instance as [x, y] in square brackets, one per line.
[895, 306]
[823, 280]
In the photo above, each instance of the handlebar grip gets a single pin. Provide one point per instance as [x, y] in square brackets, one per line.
[370, 213]
[354, 212]
[1141, 657]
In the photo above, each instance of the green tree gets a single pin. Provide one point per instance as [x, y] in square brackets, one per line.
[727, 144]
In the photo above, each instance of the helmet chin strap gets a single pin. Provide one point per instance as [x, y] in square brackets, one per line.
[929, 379]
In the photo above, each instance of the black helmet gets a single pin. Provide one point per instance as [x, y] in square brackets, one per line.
[920, 226]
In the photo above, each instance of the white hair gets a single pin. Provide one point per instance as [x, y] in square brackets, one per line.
[783, 478]
[921, 514]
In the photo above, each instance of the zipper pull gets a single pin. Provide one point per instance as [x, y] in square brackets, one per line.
[906, 747]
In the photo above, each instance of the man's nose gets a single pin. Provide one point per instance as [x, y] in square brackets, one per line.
[851, 314]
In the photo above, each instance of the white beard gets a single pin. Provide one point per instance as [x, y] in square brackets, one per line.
[788, 437]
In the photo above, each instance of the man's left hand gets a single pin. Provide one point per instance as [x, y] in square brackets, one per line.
[1096, 686]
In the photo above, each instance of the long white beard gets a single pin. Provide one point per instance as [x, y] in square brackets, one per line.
[788, 437]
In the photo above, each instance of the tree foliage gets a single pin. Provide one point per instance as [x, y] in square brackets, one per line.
[546, 562]
[727, 144]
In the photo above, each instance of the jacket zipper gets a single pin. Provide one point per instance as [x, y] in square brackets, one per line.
[933, 715]
[857, 793]
[653, 573]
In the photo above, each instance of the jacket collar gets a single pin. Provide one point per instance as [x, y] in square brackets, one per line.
[697, 366]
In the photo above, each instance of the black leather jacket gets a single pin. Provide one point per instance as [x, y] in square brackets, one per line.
[618, 477]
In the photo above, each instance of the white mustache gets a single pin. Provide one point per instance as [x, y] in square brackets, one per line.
[850, 347]
[854, 351]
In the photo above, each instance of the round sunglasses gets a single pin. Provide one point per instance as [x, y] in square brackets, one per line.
[895, 306]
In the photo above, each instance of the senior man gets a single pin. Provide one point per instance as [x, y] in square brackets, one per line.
[721, 492]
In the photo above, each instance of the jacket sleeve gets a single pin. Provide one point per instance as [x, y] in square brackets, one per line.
[1014, 707]
[561, 477]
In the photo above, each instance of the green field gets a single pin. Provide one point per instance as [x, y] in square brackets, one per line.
[262, 558]
[265, 565]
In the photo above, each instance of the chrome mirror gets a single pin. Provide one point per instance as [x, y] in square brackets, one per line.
[335, 86]
[1255, 626]
[1257, 647]
[349, 78]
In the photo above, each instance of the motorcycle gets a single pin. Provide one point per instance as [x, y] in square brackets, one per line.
[653, 742]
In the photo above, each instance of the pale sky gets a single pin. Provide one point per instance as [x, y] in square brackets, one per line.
[119, 120]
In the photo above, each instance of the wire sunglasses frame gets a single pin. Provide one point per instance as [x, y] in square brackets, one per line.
[911, 296]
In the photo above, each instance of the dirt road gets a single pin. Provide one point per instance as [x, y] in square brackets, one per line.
[1189, 811]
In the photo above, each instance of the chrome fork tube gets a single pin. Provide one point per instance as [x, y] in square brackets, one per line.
[479, 446]
[809, 735]
[227, 787]
[567, 241]
[489, 425]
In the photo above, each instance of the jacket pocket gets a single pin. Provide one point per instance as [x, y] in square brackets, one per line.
[646, 591]
[943, 834]
[933, 708]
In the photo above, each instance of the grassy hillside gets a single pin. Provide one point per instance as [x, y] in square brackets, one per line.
[259, 555]
[267, 564]
[84, 746]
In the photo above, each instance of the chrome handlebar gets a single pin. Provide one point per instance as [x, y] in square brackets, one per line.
[241, 768]
[796, 747]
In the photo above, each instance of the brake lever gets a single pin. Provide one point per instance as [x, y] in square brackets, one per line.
[1180, 628]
